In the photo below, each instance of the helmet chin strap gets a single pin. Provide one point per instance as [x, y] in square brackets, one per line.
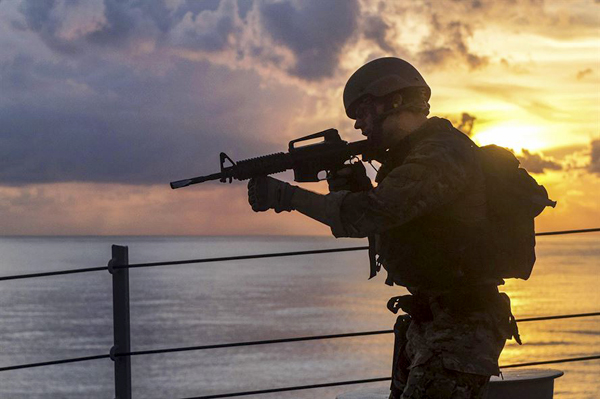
[376, 137]
[393, 106]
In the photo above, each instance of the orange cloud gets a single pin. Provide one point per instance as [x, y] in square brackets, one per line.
[116, 209]
[583, 73]
[536, 163]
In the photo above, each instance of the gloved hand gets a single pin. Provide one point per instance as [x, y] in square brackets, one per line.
[351, 177]
[266, 193]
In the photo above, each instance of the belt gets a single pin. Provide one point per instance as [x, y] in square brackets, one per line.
[463, 301]
[458, 302]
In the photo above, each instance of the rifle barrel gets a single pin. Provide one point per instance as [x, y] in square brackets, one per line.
[195, 180]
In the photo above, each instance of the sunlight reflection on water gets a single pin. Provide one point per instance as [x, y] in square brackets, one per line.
[70, 316]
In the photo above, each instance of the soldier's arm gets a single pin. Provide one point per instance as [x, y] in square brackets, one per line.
[434, 174]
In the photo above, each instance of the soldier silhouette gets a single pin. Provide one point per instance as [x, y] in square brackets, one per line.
[426, 221]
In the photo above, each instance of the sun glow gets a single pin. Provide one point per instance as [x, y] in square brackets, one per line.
[515, 137]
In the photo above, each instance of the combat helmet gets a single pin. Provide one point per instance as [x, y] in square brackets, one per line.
[381, 77]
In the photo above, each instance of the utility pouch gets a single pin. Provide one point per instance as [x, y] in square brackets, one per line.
[512, 330]
[417, 307]
[400, 361]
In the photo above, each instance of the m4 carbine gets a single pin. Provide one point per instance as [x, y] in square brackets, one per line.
[307, 161]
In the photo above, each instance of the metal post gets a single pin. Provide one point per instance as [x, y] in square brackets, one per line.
[120, 284]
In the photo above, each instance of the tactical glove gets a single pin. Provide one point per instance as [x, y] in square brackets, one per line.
[266, 193]
[350, 178]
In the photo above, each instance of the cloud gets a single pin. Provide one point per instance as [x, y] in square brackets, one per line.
[466, 123]
[594, 166]
[306, 28]
[209, 30]
[116, 98]
[536, 163]
[516, 68]
[261, 32]
[73, 27]
[580, 159]
[376, 30]
[70, 27]
[39, 18]
[104, 102]
[109, 209]
[112, 124]
[526, 97]
[447, 42]
[583, 73]
[563, 152]
[312, 33]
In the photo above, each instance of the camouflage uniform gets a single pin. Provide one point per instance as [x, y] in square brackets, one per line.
[426, 222]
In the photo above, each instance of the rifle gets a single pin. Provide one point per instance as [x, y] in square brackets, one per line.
[307, 161]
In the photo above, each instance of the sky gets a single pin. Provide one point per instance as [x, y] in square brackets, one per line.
[103, 103]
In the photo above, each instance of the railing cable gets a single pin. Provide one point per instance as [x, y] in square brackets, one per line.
[334, 384]
[564, 316]
[56, 273]
[314, 337]
[53, 362]
[243, 257]
[252, 343]
[296, 388]
[554, 233]
[233, 258]
[565, 360]
[264, 342]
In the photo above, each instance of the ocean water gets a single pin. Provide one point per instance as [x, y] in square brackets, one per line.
[67, 316]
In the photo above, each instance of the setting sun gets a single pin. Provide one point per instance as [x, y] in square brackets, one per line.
[515, 137]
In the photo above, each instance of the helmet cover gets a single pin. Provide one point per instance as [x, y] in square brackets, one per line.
[379, 78]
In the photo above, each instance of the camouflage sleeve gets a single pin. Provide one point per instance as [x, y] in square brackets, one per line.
[434, 173]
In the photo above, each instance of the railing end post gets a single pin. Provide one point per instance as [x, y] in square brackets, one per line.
[121, 322]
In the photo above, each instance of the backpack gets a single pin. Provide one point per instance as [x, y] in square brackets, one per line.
[514, 199]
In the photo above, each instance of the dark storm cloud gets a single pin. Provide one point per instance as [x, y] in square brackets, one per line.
[315, 32]
[120, 24]
[244, 6]
[594, 166]
[535, 163]
[111, 124]
[122, 21]
[447, 42]
[98, 110]
[375, 29]
[208, 30]
[39, 18]
[37, 14]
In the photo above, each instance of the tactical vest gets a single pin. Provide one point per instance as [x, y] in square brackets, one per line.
[447, 247]
[484, 235]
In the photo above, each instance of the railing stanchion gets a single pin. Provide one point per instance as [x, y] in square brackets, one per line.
[120, 290]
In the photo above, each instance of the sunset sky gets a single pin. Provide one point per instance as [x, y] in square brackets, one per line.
[102, 103]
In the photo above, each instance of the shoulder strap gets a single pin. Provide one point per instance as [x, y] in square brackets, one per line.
[396, 155]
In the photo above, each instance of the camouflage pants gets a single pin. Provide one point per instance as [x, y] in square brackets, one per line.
[432, 381]
[429, 379]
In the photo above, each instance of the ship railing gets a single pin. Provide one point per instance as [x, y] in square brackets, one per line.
[121, 354]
